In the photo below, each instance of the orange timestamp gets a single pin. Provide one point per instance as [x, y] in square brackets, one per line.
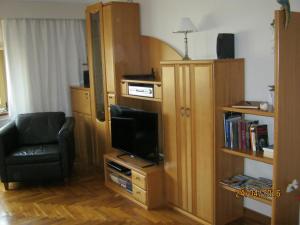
[262, 193]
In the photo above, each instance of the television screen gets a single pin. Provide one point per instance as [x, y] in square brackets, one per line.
[135, 132]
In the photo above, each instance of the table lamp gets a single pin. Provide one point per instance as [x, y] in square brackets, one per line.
[186, 26]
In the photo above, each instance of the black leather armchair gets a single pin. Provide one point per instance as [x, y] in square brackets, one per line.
[37, 146]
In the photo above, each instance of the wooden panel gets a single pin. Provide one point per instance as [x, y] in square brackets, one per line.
[202, 140]
[81, 101]
[157, 91]
[181, 136]
[171, 144]
[139, 194]
[83, 137]
[287, 110]
[111, 99]
[109, 48]
[153, 51]
[229, 89]
[139, 180]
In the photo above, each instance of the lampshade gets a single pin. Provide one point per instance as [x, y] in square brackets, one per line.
[186, 26]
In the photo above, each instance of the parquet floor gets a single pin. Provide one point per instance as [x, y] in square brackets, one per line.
[85, 200]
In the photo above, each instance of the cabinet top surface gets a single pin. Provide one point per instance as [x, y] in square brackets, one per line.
[80, 88]
[198, 61]
[130, 163]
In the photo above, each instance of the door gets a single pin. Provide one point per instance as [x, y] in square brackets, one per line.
[201, 136]
[176, 126]
[95, 43]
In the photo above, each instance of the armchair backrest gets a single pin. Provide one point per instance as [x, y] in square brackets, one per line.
[39, 128]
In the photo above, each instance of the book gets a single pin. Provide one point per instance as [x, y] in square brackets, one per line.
[247, 105]
[230, 117]
[262, 139]
[253, 137]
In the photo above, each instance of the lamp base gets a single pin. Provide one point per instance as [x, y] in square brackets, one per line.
[186, 58]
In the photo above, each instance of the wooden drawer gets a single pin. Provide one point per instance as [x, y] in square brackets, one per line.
[139, 194]
[81, 101]
[139, 180]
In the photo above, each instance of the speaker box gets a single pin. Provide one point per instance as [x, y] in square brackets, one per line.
[86, 79]
[225, 46]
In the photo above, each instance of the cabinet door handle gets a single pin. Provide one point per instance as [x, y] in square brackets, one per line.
[138, 192]
[182, 111]
[188, 112]
[137, 178]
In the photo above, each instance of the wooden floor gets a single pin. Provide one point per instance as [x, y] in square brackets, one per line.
[84, 201]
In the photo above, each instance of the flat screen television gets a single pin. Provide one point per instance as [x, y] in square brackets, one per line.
[135, 132]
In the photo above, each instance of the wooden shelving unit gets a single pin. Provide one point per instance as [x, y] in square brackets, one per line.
[285, 164]
[258, 156]
[256, 112]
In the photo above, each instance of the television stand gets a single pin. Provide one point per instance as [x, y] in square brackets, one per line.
[136, 160]
[137, 180]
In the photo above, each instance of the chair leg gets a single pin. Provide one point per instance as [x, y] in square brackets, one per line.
[6, 186]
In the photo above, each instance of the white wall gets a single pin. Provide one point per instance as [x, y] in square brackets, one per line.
[249, 20]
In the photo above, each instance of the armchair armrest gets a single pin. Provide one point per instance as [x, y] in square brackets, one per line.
[8, 137]
[8, 142]
[66, 145]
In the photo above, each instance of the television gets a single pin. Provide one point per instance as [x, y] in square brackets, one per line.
[135, 132]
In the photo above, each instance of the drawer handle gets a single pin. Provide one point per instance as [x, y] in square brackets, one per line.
[138, 192]
[137, 178]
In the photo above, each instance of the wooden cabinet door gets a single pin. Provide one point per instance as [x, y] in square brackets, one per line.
[201, 135]
[183, 136]
[170, 142]
[83, 137]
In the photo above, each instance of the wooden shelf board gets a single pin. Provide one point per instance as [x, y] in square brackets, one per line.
[249, 111]
[142, 98]
[142, 81]
[233, 190]
[258, 156]
[118, 173]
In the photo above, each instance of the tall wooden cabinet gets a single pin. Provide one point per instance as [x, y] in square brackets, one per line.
[189, 106]
[81, 109]
[113, 34]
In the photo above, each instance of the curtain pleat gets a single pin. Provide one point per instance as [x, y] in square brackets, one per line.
[44, 58]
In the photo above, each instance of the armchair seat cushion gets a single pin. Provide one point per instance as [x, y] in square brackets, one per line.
[34, 154]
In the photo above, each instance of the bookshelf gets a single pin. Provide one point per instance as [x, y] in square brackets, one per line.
[285, 164]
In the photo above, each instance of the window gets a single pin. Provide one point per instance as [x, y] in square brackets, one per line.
[3, 88]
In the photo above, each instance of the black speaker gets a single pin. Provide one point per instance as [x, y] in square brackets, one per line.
[86, 79]
[225, 46]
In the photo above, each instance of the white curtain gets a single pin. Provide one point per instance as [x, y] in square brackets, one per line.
[43, 58]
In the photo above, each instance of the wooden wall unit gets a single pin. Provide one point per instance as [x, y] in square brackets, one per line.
[81, 109]
[190, 93]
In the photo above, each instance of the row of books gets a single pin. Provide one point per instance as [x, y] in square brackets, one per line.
[244, 134]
